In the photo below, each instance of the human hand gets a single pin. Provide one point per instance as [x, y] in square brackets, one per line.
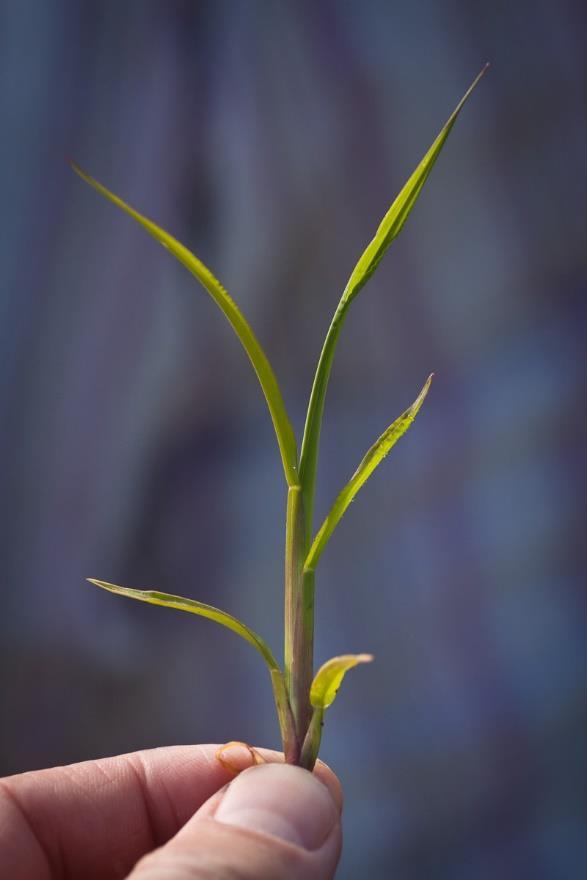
[174, 813]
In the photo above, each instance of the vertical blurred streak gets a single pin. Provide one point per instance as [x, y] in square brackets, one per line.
[64, 491]
[30, 226]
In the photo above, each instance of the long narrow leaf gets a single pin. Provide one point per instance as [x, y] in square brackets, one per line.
[371, 460]
[193, 607]
[389, 228]
[258, 358]
[329, 677]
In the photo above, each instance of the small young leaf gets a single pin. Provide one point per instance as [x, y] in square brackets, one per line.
[250, 343]
[193, 607]
[328, 678]
[371, 460]
[389, 228]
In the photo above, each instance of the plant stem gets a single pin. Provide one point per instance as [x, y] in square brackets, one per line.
[311, 744]
[312, 429]
[299, 620]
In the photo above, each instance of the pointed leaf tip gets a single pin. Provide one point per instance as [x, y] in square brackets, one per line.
[329, 677]
[370, 461]
[192, 607]
[389, 228]
[269, 385]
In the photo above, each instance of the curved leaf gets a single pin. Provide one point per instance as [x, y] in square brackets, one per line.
[250, 343]
[193, 607]
[371, 460]
[389, 228]
[328, 678]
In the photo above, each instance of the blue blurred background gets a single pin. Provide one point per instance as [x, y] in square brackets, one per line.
[135, 445]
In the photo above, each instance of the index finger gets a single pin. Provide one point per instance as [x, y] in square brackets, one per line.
[97, 818]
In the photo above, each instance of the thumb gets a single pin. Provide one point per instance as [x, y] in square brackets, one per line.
[272, 821]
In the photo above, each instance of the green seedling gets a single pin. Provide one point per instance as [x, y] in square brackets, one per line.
[301, 697]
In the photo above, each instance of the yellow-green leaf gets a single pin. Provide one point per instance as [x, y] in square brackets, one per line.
[389, 228]
[328, 678]
[193, 607]
[250, 343]
[371, 460]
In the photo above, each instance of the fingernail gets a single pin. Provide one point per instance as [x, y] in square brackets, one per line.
[280, 800]
[238, 756]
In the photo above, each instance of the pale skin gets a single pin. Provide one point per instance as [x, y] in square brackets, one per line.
[172, 814]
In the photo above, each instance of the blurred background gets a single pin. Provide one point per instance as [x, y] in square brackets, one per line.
[135, 445]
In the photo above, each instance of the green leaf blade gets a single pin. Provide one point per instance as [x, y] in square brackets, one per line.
[152, 597]
[370, 461]
[329, 677]
[398, 213]
[283, 429]
[388, 230]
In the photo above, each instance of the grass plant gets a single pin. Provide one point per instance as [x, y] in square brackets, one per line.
[301, 697]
